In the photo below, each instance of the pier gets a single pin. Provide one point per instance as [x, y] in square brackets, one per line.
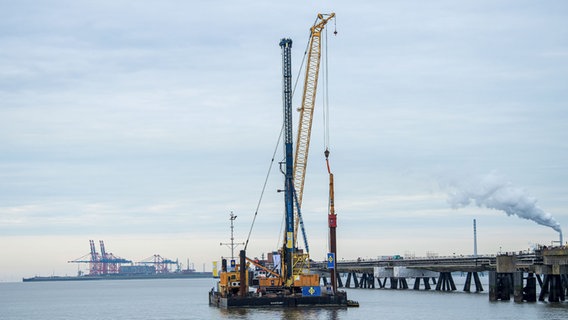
[516, 275]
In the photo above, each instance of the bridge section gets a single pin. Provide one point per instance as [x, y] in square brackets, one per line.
[516, 274]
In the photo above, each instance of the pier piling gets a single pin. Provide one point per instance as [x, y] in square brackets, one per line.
[445, 282]
[500, 286]
[510, 274]
[477, 282]
[426, 282]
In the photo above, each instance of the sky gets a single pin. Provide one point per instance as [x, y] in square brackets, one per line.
[146, 123]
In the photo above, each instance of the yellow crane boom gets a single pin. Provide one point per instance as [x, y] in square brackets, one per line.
[307, 111]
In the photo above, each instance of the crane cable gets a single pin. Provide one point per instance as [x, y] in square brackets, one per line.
[326, 129]
[326, 114]
[264, 186]
[326, 87]
[326, 96]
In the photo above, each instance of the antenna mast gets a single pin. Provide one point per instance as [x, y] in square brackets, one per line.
[232, 244]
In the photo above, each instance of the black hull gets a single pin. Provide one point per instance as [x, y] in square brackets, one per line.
[325, 301]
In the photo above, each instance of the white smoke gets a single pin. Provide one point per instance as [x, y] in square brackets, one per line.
[494, 192]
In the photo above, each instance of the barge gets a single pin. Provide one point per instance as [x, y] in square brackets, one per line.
[284, 301]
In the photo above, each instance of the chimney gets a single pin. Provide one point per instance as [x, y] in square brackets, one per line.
[475, 239]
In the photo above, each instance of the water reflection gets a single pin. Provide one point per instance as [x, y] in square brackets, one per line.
[284, 313]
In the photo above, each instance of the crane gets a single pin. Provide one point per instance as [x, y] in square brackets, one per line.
[290, 276]
[110, 262]
[103, 257]
[306, 114]
[289, 244]
[332, 224]
[102, 264]
[94, 264]
[295, 261]
[160, 263]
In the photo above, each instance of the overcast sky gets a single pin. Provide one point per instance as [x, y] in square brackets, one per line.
[145, 123]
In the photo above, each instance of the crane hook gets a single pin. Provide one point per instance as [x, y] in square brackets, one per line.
[335, 26]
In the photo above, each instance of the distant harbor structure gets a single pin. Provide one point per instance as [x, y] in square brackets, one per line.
[107, 266]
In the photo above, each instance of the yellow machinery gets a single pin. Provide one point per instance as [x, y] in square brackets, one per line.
[307, 111]
[301, 276]
[230, 282]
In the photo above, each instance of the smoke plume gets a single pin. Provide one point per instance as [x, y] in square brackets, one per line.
[494, 192]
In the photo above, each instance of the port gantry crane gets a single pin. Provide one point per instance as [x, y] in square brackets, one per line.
[103, 264]
[160, 263]
[306, 116]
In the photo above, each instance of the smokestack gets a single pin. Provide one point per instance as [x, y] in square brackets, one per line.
[561, 240]
[474, 239]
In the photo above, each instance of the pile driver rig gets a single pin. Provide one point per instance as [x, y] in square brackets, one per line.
[289, 282]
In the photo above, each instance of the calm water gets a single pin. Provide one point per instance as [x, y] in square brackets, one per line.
[187, 299]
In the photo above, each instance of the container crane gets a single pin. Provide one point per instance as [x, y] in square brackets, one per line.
[160, 263]
[94, 265]
[110, 262]
[306, 114]
[105, 263]
[103, 257]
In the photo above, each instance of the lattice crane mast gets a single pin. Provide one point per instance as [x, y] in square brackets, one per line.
[289, 244]
[306, 113]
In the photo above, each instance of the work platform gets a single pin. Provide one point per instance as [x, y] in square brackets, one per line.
[338, 300]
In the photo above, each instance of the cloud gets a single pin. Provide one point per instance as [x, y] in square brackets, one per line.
[128, 119]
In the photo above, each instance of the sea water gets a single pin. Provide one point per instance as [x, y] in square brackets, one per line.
[173, 299]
